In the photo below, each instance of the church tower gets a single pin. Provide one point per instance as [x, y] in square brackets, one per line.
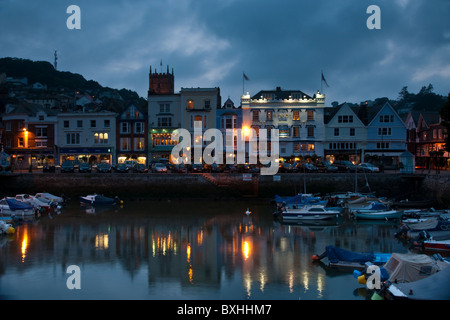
[161, 83]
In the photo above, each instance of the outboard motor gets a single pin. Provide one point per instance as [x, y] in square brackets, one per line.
[402, 231]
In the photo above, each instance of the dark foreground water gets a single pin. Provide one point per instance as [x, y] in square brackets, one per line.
[182, 250]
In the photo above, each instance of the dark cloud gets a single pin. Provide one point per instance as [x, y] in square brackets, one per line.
[211, 43]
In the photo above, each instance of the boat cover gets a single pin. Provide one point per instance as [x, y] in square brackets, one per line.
[409, 267]
[17, 205]
[336, 254]
[434, 287]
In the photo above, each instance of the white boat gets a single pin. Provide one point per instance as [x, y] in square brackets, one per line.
[50, 197]
[378, 215]
[373, 206]
[12, 207]
[307, 212]
[35, 202]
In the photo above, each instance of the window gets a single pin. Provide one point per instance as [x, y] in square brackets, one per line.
[296, 115]
[387, 118]
[384, 131]
[139, 127]
[164, 107]
[336, 132]
[352, 132]
[93, 123]
[296, 132]
[310, 115]
[190, 104]
[255, 115]
[269, 116]
[41, 118]
[100, 138]
[310, 131]
[164, 122]
[8, 126]
[41, 143]
[41, 132]
[79, 123]
[66, 123]
[345, 119]
[382, 145]
[124, 127]
[207, 104]
[124, 144]
[139, 144]
[21, 143]
[72, 138]
[107, 124]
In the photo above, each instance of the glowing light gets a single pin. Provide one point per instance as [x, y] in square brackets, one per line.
[188, 253]
[246, 249]
[246, 131]
[25, 244]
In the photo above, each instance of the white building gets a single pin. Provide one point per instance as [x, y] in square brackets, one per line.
[298, 117]
[87, 137]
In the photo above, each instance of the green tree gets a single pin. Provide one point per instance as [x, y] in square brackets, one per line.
[445, 115]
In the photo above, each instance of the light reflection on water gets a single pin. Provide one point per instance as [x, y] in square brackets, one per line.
[182, 250]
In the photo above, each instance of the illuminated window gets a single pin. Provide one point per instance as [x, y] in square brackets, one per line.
[296, 132]
[190, 104]
[310, 115]
[296, 115]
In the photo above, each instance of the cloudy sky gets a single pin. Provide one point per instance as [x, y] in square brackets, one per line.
[210, 43]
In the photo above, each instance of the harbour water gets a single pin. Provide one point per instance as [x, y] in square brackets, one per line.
[183, 250]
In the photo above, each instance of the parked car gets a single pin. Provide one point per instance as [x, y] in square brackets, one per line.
[85, 167]
[141, 168]
[131, 165]
[122, 168]
[179, 168]
[326, 166]
[104, 167]
[309, 167]
[48, 168]
[287, 167]
[159, 168]
[67, 166]
[196, 168]
[345, 166]
[368, 167]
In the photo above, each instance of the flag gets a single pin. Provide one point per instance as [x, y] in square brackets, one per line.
[245, 77]
[323, 79]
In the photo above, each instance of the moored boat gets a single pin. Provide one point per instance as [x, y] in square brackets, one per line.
[96, 199]
[306, 212]
[378, 215]
[437, 245]
[13, 207]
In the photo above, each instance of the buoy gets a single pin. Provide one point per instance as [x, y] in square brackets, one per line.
[11, 230]
[247, 212]
[362, 279]
[315, 257]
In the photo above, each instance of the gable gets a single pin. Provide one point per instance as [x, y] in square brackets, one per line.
[345, 117]
[385, 114]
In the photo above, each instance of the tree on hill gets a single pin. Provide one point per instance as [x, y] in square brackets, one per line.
[425, 99]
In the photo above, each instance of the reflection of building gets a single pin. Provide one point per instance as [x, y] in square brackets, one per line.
[132, 135]
[298, 117]
[89, 137]
[29, 135]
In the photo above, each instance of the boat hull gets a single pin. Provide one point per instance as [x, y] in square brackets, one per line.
[433, 245]
[384, 215]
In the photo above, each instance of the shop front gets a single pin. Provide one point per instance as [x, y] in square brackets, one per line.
[90, 155]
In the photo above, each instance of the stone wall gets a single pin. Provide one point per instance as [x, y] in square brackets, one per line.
[212, 186]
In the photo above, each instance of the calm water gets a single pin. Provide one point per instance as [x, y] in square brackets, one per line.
[182, 250]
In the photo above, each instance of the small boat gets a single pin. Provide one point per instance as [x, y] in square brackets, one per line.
[307, 212]
[434, 287]
[341, 258]
[51, 197]
[35, 202]
[96, 199]
[12, 207]
[372, 206]
[378, 215]
[437, 245]
[299, 200]
[6, 228]
[437, 228]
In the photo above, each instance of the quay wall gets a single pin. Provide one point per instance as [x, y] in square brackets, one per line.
[437, 186]
[207, 185]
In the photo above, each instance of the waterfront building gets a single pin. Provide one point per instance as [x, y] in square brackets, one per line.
[386, 135]
[229, 117]
[132, 135]
[29, 135]
[430, 146]
[345, 133]
[164, 114]
[298, 116]
[87, 137]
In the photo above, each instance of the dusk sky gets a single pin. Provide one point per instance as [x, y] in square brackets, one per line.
[209, 43]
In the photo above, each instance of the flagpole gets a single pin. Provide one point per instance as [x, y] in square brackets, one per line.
[321, 81]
